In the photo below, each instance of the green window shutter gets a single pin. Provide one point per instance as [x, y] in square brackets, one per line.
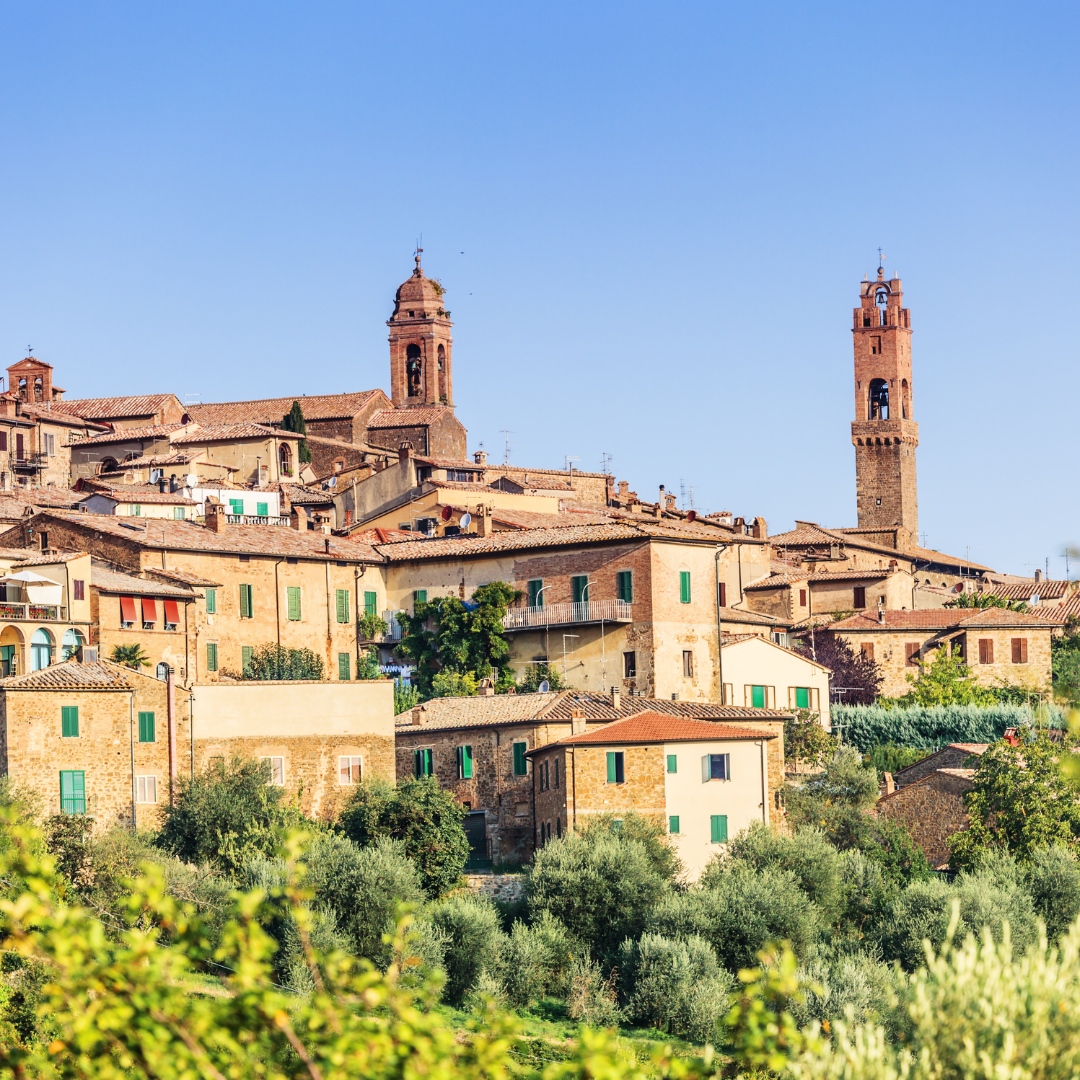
[429, 764]
[69, 721]
[672, 763]
[246, 653]
[520, 765]
[673, 823]
[146, 727]
[417, 763]
[136, 510]
[236, 506]
[536, 596]
[247, 604]
[211, 657]
[802, 697]
[718, 828]
[419, 597]
[211, 601]
[465, 762]
[611, 767]
[684, 586]
[72, 792]
[178, 513]
[342, 601]
[262, 509]
[578, 585]
[343, 666]
[624, 586]
[757, 697]
[371, 601]
[294, 603]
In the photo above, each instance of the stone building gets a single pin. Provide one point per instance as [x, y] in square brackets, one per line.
[705, 782]
[999, 646]
[933, 810]
[100, 739]
[478, 748]
[953, 756]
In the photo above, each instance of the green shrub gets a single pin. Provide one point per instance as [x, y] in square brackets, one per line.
[842, 976]
[474, 941]
[1052, 878]
[890, 758]
[591, 999]
[868, 893]
[598, 885]
[650, 832]
[535, 961]
[276, 662]
[835, 800]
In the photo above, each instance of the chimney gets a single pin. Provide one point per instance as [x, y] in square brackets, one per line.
[417, 719]
[890, 783]
[214, 518]
[616, 698]
[486, 688]
[760, 532]
[577, 721]
[881, 615]
[669, 502]
[404, 452]
[1038, 575]
[348, 517]
[174, 484]
[327, 546]
[1011, 737]
[482, 521]
[161, 484]
[624, 488]
[480, 457]
[294, 520]
[87, 654]
[675, 697]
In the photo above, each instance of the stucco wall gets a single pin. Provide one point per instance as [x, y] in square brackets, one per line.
[759, 662]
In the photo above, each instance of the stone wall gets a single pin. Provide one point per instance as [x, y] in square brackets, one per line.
[933, 810]
[507, 888]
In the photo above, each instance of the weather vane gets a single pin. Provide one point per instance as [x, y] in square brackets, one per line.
[880, 258]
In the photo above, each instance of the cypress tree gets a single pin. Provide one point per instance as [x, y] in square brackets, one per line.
[293, 420]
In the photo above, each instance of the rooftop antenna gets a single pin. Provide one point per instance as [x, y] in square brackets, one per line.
[682, 494]
[605, 460]
[691, 490]
[568, 463]
[506, 457]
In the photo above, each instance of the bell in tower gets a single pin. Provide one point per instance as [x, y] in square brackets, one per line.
[420, 343]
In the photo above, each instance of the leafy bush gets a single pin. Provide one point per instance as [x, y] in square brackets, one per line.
[651, 833]
[1052, 878]
[535, 961]
[450, 683]
[591, 999]
[470, 927]
[406, 697]
[535, 674]
[273, 661]
[836, 799]
[598, 885]
[842, 976]
[426, 819]
[890, 758]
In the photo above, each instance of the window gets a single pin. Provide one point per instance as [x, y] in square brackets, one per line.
[50, 445]
[246, 653]
[875, 346]
[673, 763]
[684, 586]
[1019, 650]
[146, 727]
[556, 772]
[616, 772]
[78, 589]
[868, 651]
[247, 602]
[521, 766]
[172, 614]
[149, 613]
[757, 697]
[802, 598]
[178, 513]
[277, 770]
[344, 669]
[911, 654]
[341, 602]
[419, 597]
[3, 440]
[624, 586]
[211, 601]
[127, 612]
[579, 586]
[558, 826]
[860, 597]
[348, 771]
[262, 509]
[146, 789]
[464, 762]
[544, 785]
[73, 792]
[802, 697]
[536, 595]
[136, 510]
[673, 823]
[423, 764]
[236, 506]
[293, 593]
[718, 828]
[211, 656]
[687, 664]
[723, 593]
[69, 721]
[371, 602]
[629, 663]
[716, 767]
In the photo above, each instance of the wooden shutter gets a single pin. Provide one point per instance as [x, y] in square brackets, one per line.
[371, 601]
[802, 598]
[718, 828]
[611, 766]
[73, 792]
[246, 653]
[1019, 650]
[520, 765]
[673, 763]
[723, 594]
[211, 601]
[757, 697]
[465, 762]
[211, 657]
[684, 586]
[69, 721]
[419, 597]
[986, 650]
[79, 588]
[146, 727]
[911, 654]
[868, 651]
[860, 597]
[237, 506]
[342, 600]
[343, 666]
[262, 509]
[802, 697]
[246, 602]
[294, 603]
[417, 759]
[673, 823]
[577, 586]
[624, 584]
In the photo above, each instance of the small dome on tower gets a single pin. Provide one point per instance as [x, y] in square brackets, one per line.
[419, 296]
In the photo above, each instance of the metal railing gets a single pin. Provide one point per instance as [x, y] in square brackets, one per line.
[258, 519]
[40, 612]
[29, 461]
[566, 614]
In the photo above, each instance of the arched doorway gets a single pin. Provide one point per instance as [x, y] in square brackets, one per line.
[11, 649]
[41, 650]
[69, 647]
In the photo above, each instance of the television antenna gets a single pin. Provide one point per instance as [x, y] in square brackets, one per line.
[605, 461]
[506, 456]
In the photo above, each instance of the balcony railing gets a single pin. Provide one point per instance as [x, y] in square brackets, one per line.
[589, 611]
[258, 519]
[38, 612]
[29, 461]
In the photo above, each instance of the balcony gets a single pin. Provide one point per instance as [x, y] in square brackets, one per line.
[590, 611]
[33, 612]
[28, 462]
[257, 519]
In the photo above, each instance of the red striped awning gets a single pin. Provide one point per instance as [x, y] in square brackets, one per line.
[127, 608]
[149, 609]
[172, 611]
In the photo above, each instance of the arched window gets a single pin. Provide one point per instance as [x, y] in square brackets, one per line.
[162, 671]
[905, 400]
[414, 371]
[11, 643]
[107, 464]
[41, 650]
[879, 399]
[442, 357]
[72, 642]
[38, 393]
[284, 459]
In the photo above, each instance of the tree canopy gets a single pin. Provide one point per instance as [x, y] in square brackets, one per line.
[860, 676]
[293, 421]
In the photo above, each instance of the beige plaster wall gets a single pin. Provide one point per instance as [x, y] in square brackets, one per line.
[758, 662]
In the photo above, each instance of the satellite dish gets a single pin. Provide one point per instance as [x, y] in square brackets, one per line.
[191, 480]
[691, 515]
[465, 520]
[446, 513]
[544, 687]
[332, 482]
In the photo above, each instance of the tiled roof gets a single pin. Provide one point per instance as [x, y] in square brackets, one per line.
[184, 576]
[524, 540]
[71, 675]
[112, 581]
[273, 410]
[776, 580]
[940, 619]
[458, 485]
[1061, 612]
[106, 408]
[599, 707]
[735, 639]
[1044, 590]
[131, 434]
[169, 534]
[970, 747]
[302, 496]
[182, 458]
[139, 493]
[975, 749]
[475, 711]
[408, 416]
[52, 412]
[383, 536]
[228, 432]
[532, 519]
[962, 774]
[451, 463]
[929, 555]
[46, 558]
[757, 618]
[652, 727]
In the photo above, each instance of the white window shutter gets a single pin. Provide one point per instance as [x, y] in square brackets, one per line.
[727, 766]
[705, 769]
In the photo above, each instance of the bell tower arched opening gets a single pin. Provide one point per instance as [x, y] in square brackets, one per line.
[414, 371]
[879, 400]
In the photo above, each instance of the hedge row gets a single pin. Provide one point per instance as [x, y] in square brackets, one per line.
[930, 726]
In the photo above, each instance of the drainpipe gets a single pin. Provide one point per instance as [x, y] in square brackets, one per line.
[573, 781]
[131, 731]
[720, 549]
[764, 792]
[277, 606]
[191, 727]
[329, 629]
[170, 691]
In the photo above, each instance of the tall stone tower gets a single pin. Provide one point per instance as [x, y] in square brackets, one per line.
[420, 366]
[884, 431]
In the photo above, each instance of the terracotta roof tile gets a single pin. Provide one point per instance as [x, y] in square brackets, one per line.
[138, 493]
[112, 581]
[71, 675]
[49, 558]
[273, 410]
[184, 576]
[757, 618]
[1044, 590]
[120, 407]
[1061, 612]
[970, 747]
[652, 727]
[228, 432]
[131, 434]
[532, 519]
[776, 580]
[940, 619]
[181, 458]
[52, 412]
[407, 416]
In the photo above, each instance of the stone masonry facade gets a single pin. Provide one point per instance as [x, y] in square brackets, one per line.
[932, 809]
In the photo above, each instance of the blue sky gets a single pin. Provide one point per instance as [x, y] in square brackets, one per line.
[651, 220]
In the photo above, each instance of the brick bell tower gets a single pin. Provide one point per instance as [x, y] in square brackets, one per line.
[420, 343]
[884, 431]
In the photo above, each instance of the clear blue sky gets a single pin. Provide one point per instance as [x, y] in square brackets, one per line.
[651, 220]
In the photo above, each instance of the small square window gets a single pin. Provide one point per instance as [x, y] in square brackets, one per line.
[616, 767]
[146, 789]
[277, 770]
[349, 771]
